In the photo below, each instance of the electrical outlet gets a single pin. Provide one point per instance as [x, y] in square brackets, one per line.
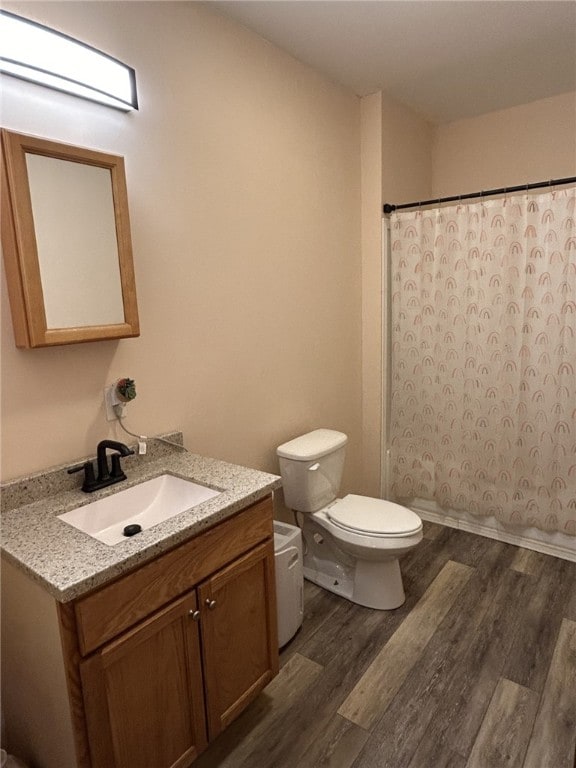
[110, 400]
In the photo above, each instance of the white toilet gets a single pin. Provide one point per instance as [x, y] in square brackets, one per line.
[351, 545]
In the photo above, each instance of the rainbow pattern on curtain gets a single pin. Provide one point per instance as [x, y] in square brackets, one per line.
[483, 401]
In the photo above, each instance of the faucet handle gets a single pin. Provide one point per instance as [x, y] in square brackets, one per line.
[89, 477]
[117, 472]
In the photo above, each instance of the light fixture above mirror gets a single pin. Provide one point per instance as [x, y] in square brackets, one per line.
[31, 51]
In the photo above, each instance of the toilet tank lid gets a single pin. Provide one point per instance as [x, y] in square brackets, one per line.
[312, 445]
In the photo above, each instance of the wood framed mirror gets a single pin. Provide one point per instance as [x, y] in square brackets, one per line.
[66, 242]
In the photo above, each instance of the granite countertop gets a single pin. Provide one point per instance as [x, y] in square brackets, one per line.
[69, 563]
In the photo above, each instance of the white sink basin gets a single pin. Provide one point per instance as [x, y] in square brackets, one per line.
[145, 505]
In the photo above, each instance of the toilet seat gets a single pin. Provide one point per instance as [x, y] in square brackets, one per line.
[373, 517]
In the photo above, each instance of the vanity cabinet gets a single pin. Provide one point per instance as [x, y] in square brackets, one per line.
[155, 696]
[158, 662]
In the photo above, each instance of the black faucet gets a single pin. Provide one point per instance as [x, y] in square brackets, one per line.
[106, 476]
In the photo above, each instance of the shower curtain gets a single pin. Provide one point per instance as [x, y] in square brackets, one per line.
[483, 339]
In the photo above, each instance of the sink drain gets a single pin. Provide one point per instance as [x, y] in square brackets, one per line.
[132, 530]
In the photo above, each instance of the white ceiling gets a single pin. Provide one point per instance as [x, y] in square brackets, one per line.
[446, 59]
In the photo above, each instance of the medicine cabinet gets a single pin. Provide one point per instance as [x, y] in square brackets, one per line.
[66, 243]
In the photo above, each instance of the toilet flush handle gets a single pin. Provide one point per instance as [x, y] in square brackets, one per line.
[314, 467]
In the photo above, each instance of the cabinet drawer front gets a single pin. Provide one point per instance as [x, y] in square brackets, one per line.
[118, 606]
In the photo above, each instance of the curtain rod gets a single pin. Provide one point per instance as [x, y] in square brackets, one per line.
[389, 207]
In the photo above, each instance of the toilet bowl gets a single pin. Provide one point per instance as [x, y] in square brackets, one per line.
[351, 545]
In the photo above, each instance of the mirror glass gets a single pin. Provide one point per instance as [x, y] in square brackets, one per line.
[66, 243]
[78, 263]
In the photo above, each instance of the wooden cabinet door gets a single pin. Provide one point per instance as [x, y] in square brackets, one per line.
[239, 635]
[143, 693]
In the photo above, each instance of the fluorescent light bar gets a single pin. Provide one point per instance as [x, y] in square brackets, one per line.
[31, 51]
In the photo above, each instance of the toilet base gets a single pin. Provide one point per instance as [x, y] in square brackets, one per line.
[371, 584]
[374, 583]
[339, 585]
[379, 584]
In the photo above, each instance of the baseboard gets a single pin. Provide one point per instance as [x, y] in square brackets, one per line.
[563, 546]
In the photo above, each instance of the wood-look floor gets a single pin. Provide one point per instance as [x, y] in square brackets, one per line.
[476, 670]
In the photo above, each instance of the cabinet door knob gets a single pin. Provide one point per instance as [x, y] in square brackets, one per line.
[210, 603]
[194, 615]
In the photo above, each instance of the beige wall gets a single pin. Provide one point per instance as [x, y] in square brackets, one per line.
[260, 317]
[407, 143]
[396, 167]
[532, 142]
[243, 173]
[371, 151]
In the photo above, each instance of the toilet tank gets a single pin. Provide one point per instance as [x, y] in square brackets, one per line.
[311, 468]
